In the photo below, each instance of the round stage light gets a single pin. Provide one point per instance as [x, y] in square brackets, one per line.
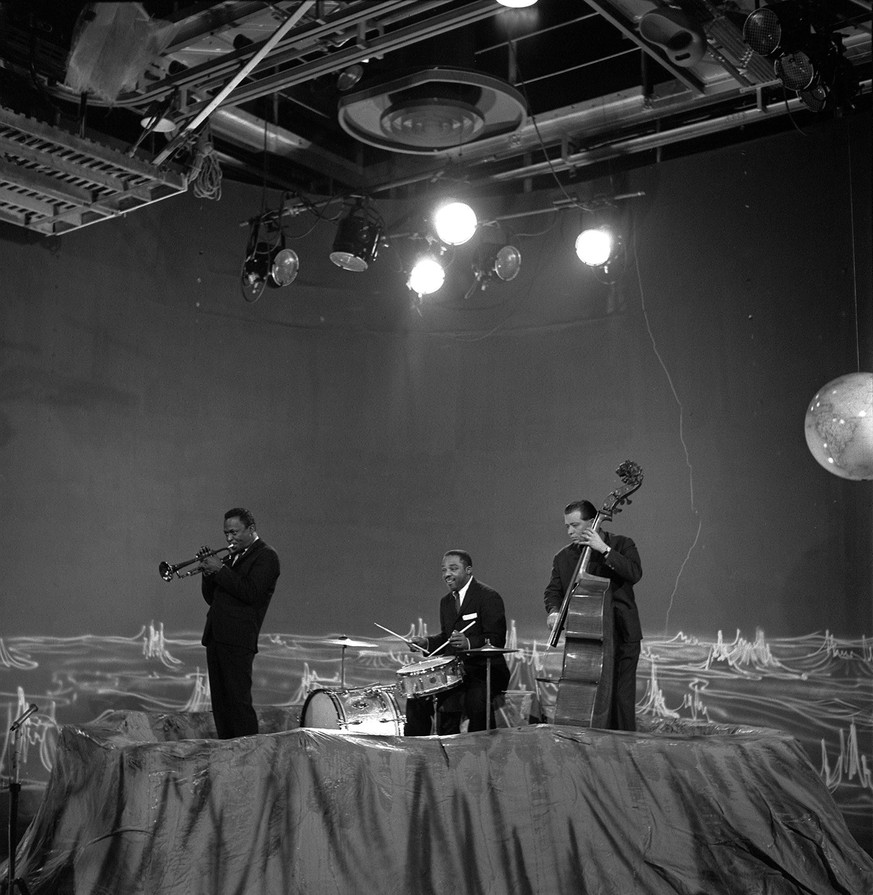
[285, 267]
[507, 263]
[426, 276]
[455, 223]
[595, 246]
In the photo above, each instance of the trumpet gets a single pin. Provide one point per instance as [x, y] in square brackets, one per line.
[167, 571]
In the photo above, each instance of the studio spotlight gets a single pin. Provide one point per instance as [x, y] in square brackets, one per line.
[779, 27]
[454, 223]
[795, 70]
[808, 58]
[595, 246]
[834, 86]
[267, 263]
[500, 262]
[349, 77]
[507, 263]
[427, 275]
[357, 239]
[602, 249]
[284, 266]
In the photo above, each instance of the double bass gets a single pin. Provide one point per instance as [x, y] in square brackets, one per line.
[586, 682]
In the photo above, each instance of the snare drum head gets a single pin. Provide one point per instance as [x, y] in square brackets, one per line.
[426, 665]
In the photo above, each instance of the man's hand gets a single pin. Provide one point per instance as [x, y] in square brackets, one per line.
[553, 617]
[210, 564]
[592, 539]
[458, 640]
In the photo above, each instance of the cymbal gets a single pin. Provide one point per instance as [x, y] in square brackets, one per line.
[486, 650]
[347, 641]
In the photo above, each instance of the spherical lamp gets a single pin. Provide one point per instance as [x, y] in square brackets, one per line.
[839, 426]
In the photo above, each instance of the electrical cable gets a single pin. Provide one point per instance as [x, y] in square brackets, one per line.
[205, 174]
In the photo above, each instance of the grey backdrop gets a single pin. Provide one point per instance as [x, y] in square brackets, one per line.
[142, 397]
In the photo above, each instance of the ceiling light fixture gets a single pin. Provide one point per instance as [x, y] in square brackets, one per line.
[357, 238]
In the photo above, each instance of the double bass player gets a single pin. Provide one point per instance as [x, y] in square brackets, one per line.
[614, 557]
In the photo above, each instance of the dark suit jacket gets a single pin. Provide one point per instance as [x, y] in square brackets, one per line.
[238, 597]
[622, 568]
[484, 607]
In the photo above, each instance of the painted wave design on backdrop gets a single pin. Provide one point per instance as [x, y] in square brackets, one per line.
[817, 688]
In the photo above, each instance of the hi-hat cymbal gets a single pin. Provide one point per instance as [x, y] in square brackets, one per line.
[485, 650]
[347, 641]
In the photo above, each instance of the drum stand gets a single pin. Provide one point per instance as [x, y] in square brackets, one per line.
[488, 692]
[344, 641]
[12, 884]
[488, 652]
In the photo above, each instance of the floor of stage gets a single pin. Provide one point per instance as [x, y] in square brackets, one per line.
[149, 803]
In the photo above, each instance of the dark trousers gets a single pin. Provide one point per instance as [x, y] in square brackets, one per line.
[470, 695]
[623, 715]
[230, 686]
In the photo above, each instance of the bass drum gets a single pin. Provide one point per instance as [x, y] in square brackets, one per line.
[366, 710]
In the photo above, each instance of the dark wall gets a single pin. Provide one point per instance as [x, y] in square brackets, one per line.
[142, 397]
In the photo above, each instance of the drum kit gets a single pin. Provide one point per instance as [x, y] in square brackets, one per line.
[375, 709]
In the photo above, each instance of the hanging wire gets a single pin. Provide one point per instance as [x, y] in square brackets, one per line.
[512, 45]
[205, 170]
[854, 260]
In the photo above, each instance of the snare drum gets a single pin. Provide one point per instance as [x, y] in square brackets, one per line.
[361, 710]
[431, 676]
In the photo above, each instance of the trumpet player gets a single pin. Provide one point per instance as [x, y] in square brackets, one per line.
[238, 588]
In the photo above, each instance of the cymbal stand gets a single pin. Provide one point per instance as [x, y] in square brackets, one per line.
[488, 688]
[13, 884]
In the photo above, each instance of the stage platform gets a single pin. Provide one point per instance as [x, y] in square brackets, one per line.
[147, 803]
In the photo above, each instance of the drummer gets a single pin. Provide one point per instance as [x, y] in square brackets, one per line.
[468, 602]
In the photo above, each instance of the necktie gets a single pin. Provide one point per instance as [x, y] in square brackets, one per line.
[457, 597]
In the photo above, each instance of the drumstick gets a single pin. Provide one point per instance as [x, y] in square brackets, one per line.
[460, 632]
[399, 637]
